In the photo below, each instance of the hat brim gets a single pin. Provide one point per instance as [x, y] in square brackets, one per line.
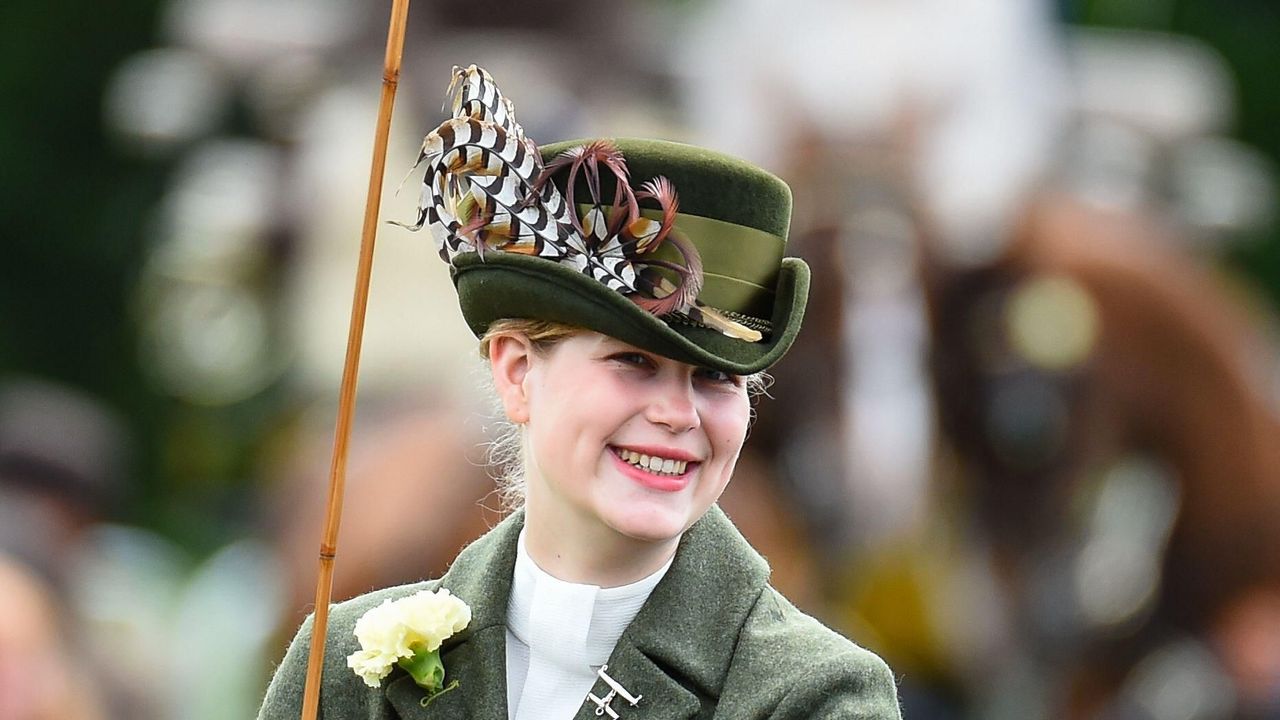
[509, 285]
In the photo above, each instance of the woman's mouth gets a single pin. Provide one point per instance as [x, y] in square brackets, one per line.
[653, 471]
[652, 463]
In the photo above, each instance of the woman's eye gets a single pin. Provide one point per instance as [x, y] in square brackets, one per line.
[717, 376]
[636, 359]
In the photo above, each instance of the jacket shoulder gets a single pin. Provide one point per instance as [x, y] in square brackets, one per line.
[343, 694]
[788, 665]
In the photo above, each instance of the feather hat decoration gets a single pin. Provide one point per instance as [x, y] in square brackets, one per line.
[486, 189]
[560, 233]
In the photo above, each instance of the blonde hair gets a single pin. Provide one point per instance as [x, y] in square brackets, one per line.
[506, 449]
[542, 333]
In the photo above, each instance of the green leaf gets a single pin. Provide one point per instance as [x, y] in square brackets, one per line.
[426, 669]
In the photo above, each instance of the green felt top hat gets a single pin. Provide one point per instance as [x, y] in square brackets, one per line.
[672, 248]
[737, 216]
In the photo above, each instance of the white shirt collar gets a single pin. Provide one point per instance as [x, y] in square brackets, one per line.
[570, 622]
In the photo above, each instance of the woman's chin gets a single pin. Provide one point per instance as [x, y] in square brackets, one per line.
[646, 523]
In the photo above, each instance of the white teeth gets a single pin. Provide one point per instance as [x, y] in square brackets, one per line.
[654, 464]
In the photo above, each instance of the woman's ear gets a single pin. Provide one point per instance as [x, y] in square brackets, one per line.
[510, 357]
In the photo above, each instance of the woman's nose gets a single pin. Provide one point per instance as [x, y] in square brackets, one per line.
[672, 405]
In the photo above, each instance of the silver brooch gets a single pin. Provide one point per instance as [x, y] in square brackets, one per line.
[615, 689]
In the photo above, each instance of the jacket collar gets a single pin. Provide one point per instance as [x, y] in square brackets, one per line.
[676, 652]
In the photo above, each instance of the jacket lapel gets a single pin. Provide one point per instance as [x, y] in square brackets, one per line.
[477, 657]
[658, 694]
[478, 665]
[676, 653]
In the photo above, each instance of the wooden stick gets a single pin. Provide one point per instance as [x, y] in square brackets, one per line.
[351, 366]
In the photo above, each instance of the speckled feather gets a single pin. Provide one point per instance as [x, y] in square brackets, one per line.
[485, 188]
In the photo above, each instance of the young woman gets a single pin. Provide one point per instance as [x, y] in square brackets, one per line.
[624, 342]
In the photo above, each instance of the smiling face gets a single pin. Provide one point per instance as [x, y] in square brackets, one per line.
[622, 441]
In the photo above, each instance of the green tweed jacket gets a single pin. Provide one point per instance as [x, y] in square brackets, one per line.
[714, 640]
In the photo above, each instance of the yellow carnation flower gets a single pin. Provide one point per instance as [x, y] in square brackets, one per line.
[397, 630]
[430, 618]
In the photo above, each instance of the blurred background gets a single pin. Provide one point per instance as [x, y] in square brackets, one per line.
[1040, 472]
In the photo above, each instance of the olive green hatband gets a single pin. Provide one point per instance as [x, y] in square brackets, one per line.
[739, 264]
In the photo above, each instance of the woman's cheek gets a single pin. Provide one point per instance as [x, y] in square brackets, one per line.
[741, 419]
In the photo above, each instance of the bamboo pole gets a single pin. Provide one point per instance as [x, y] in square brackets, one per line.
[351, 366]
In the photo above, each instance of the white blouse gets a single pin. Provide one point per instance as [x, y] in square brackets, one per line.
[559, 633]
